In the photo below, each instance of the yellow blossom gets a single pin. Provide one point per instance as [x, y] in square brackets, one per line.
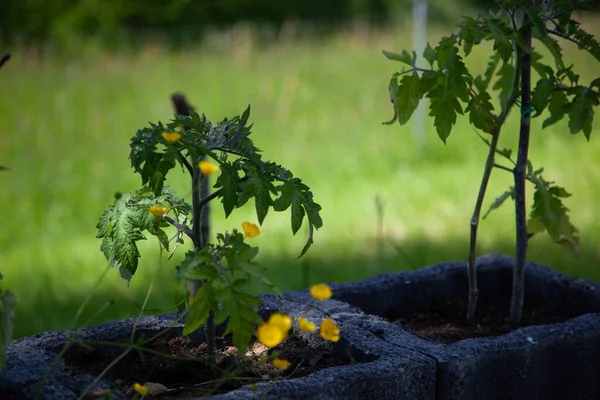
[250, 230]
[141, 389]
[158, 211]
[207, 168]
[329, 330]
[282, 321]
[270, 335]
[171, 137]
[305, 325]
[320, 291]
[281, 364]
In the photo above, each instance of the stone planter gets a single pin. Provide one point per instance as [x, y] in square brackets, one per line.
[555, 361]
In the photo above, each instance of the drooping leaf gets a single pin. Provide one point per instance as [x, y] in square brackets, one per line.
[500, 200]
[554, 49]
[406, 96]
[541, 95]
[502, 37]
[549, 211]
[443, 107]
[296, 195]
[240, 310]
[229, 182]
[581, 111]
[557, 108]
[429, 54]
[480, 112]
[198, 310]
[119, 233]
[505, 82]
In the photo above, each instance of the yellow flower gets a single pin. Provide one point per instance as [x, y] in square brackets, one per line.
[329, 330]
[320, 291]
[270, 335]
[305, 325]
[281, 364]
[250, 230]
[158, 211]
[207, 168]
[283, 321]
[171, 137]
[141, 389]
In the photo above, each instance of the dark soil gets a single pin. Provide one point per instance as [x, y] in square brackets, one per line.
[178, 368]
[445, 321]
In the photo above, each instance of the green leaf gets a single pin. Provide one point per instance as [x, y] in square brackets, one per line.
[429, 54]
[2, 168]
[483, 84]
[7, 314]
[557, 107]
[505, 82]
[581, 111]
[549, 211]
[406, 96]
[241, 310]
[542, 94]
[502, 37]
[443, 107]
[297, 195]
[480, 112]
[198, 310]
[197, 266]
[405, 57]
[554, 49]
[119, 232]
[229, 182]
[260, 186]
[500, 200]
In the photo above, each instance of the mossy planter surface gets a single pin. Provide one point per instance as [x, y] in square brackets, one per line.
[554, 361]
[558, 360]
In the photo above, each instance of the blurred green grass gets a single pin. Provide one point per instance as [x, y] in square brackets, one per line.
[317, 108]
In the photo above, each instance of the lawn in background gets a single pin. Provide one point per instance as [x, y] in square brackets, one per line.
[317, 108]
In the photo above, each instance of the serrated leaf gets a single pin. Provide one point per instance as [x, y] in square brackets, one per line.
[504, 83]
[229, 182]
[507, 153]
[406, 96]
[241, 310]
[480, 112]
[405, 57]
[554, 49]
[198, 310]
[549, 210]
[429, 54]
[542, 94]
[443, 107]
[297, 195]
[502, 37]
[581, 111]
[544, 70]
[119, 232]
[197, 266]
[557, 108]
[483, 83]
[500, 200]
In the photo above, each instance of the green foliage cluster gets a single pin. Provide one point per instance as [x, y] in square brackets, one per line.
[452, 90]
[225, 268]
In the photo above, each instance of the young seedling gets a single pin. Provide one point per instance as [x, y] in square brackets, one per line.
[453, 89]
[225, 268]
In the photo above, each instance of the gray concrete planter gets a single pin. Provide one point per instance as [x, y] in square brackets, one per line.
[383, 372]
[556, 361]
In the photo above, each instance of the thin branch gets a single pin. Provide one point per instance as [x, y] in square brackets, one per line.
[185, 162]
[179, 226]
[512, 171]
[566, 37]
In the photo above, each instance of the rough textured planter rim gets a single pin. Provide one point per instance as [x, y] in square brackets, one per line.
[541, 362]
[383, 371]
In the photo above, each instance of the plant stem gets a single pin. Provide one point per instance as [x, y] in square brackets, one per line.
[200, 219]
[518, 293]
[489, 165]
